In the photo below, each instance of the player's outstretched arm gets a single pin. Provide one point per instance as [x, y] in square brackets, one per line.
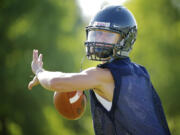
[64, 82]
[57, 81]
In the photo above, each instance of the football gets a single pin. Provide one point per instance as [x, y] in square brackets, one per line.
[71, 105]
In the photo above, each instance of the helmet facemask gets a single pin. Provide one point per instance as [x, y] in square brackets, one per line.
[100, 44]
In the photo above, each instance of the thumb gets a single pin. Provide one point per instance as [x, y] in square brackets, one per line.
[33, 83]
[30, 85]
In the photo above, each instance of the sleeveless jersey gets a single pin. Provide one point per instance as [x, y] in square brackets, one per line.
[136, 108]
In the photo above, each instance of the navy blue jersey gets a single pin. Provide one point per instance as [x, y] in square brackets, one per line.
[136, 108]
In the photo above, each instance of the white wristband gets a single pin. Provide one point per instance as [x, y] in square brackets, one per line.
[38, 71]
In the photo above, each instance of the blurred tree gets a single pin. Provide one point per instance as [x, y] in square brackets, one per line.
[54, 28]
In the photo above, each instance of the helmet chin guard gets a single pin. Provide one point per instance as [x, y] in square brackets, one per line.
[105, 52]
[111, 19]
[98, 51]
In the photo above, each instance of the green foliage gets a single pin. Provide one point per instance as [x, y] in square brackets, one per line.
[51, 26]
[54, 27]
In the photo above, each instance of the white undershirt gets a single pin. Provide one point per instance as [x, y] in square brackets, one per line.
[107, 104]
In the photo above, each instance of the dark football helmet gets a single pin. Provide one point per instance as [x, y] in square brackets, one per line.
[110, 34]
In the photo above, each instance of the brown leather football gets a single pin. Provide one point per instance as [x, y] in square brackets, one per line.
[71, 105]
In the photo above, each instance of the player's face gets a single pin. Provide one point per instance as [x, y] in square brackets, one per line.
[103, 36]
[104, 41]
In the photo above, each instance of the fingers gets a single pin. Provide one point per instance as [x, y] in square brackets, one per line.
[35, 55]
[36, 63]
[30, 85]
[40, 58]
[79, 93]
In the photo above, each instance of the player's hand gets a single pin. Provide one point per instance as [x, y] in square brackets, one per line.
[33, 83]
[37, 64]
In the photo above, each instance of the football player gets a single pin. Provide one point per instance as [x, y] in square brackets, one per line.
[123, 99]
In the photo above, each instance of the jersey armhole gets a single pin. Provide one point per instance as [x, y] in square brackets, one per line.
[115, 94]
